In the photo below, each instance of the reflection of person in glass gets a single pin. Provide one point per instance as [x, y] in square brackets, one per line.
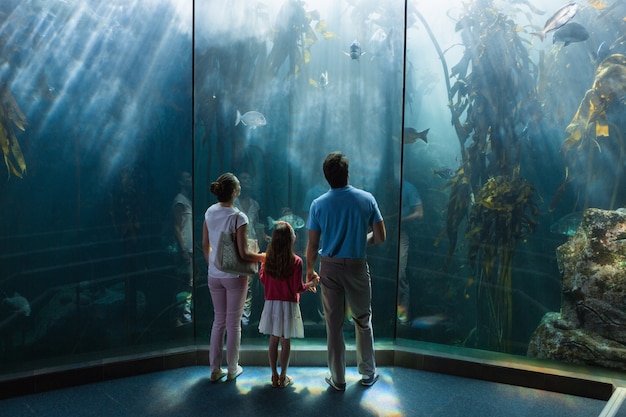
[183, 233]
[339, 223]
[255, 230]
[228, 291]
[312, 193]
[412, 209]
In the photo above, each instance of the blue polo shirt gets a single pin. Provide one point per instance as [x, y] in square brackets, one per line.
[343, 217]
[410, 198]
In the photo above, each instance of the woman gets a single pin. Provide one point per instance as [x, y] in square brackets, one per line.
[228, 291]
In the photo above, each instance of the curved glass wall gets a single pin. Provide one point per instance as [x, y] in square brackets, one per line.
[96, 121]
[484, 130]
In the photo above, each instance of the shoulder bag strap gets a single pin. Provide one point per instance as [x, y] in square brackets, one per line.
[235, 215]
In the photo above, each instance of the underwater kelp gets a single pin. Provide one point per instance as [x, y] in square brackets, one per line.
[582, 88]
[11, 115]
[505, 212]
[492, 101]
[592, 131]
[293, 35]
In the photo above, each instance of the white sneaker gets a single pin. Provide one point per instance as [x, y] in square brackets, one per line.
[369, 380]
[216, 376]
[232, 377]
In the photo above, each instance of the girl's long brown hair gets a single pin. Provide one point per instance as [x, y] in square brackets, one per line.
[279, 255]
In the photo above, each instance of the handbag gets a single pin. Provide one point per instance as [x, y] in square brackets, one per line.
[227, 258]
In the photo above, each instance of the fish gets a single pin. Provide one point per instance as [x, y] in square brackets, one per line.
[567, 225]
[425, 322]
[571, 32]
[19, 304]
[445, 173]
[558, 19]
[410, 135]
[323, 79]
[355, 50]
[252, 119]
[295, 221]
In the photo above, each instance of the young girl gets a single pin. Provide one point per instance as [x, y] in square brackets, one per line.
[281, 276]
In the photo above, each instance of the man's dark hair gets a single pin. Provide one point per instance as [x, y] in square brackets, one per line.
[336, 170]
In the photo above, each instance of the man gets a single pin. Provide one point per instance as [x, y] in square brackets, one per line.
[412, 210]
[339, 223]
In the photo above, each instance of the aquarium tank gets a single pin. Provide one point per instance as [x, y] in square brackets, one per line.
[489, 131]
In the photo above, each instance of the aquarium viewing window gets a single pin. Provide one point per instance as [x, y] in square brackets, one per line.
[489, 132]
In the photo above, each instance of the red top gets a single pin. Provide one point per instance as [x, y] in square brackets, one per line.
[288, 289]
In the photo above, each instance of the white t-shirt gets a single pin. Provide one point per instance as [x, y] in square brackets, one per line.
[218, 220]
[186, 227]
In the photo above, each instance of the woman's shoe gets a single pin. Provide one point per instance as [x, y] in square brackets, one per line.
[232, 377]
[285, 381]
[216, 376]
[275, 381]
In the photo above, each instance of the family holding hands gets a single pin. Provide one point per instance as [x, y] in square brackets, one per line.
[341, 224]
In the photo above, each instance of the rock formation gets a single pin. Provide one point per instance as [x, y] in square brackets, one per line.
[591, 327]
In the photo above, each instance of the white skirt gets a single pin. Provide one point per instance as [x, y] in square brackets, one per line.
[282, 319]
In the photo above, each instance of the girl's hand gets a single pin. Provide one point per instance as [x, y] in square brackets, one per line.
[314, 282]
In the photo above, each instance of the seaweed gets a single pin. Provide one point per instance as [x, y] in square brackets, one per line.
[293, 36]
[495, 92]
[504, 213]
[11, 115]
[591, 130]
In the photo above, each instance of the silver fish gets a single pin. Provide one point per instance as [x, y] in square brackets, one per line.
[570, 32]
[355, 50]
[295, 221]
[251, 118]
[19, 304]
[558, 19]
[444, 173]
[323, 79]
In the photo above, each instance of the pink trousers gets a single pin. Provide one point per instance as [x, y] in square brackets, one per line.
[228, 296]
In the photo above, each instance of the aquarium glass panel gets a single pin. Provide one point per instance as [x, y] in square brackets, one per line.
[525, 111]
[278, 86]
[95, 130]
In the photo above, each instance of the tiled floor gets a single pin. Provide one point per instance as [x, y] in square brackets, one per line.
[399, 392]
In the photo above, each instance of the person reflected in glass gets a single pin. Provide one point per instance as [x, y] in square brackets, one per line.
[182, 219]
[319, 188]
[411, 211]
[342, 223]
[281, 319]
[255, 231]
[228, 291]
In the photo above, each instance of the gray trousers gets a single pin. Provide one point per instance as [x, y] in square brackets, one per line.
[347, 279]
